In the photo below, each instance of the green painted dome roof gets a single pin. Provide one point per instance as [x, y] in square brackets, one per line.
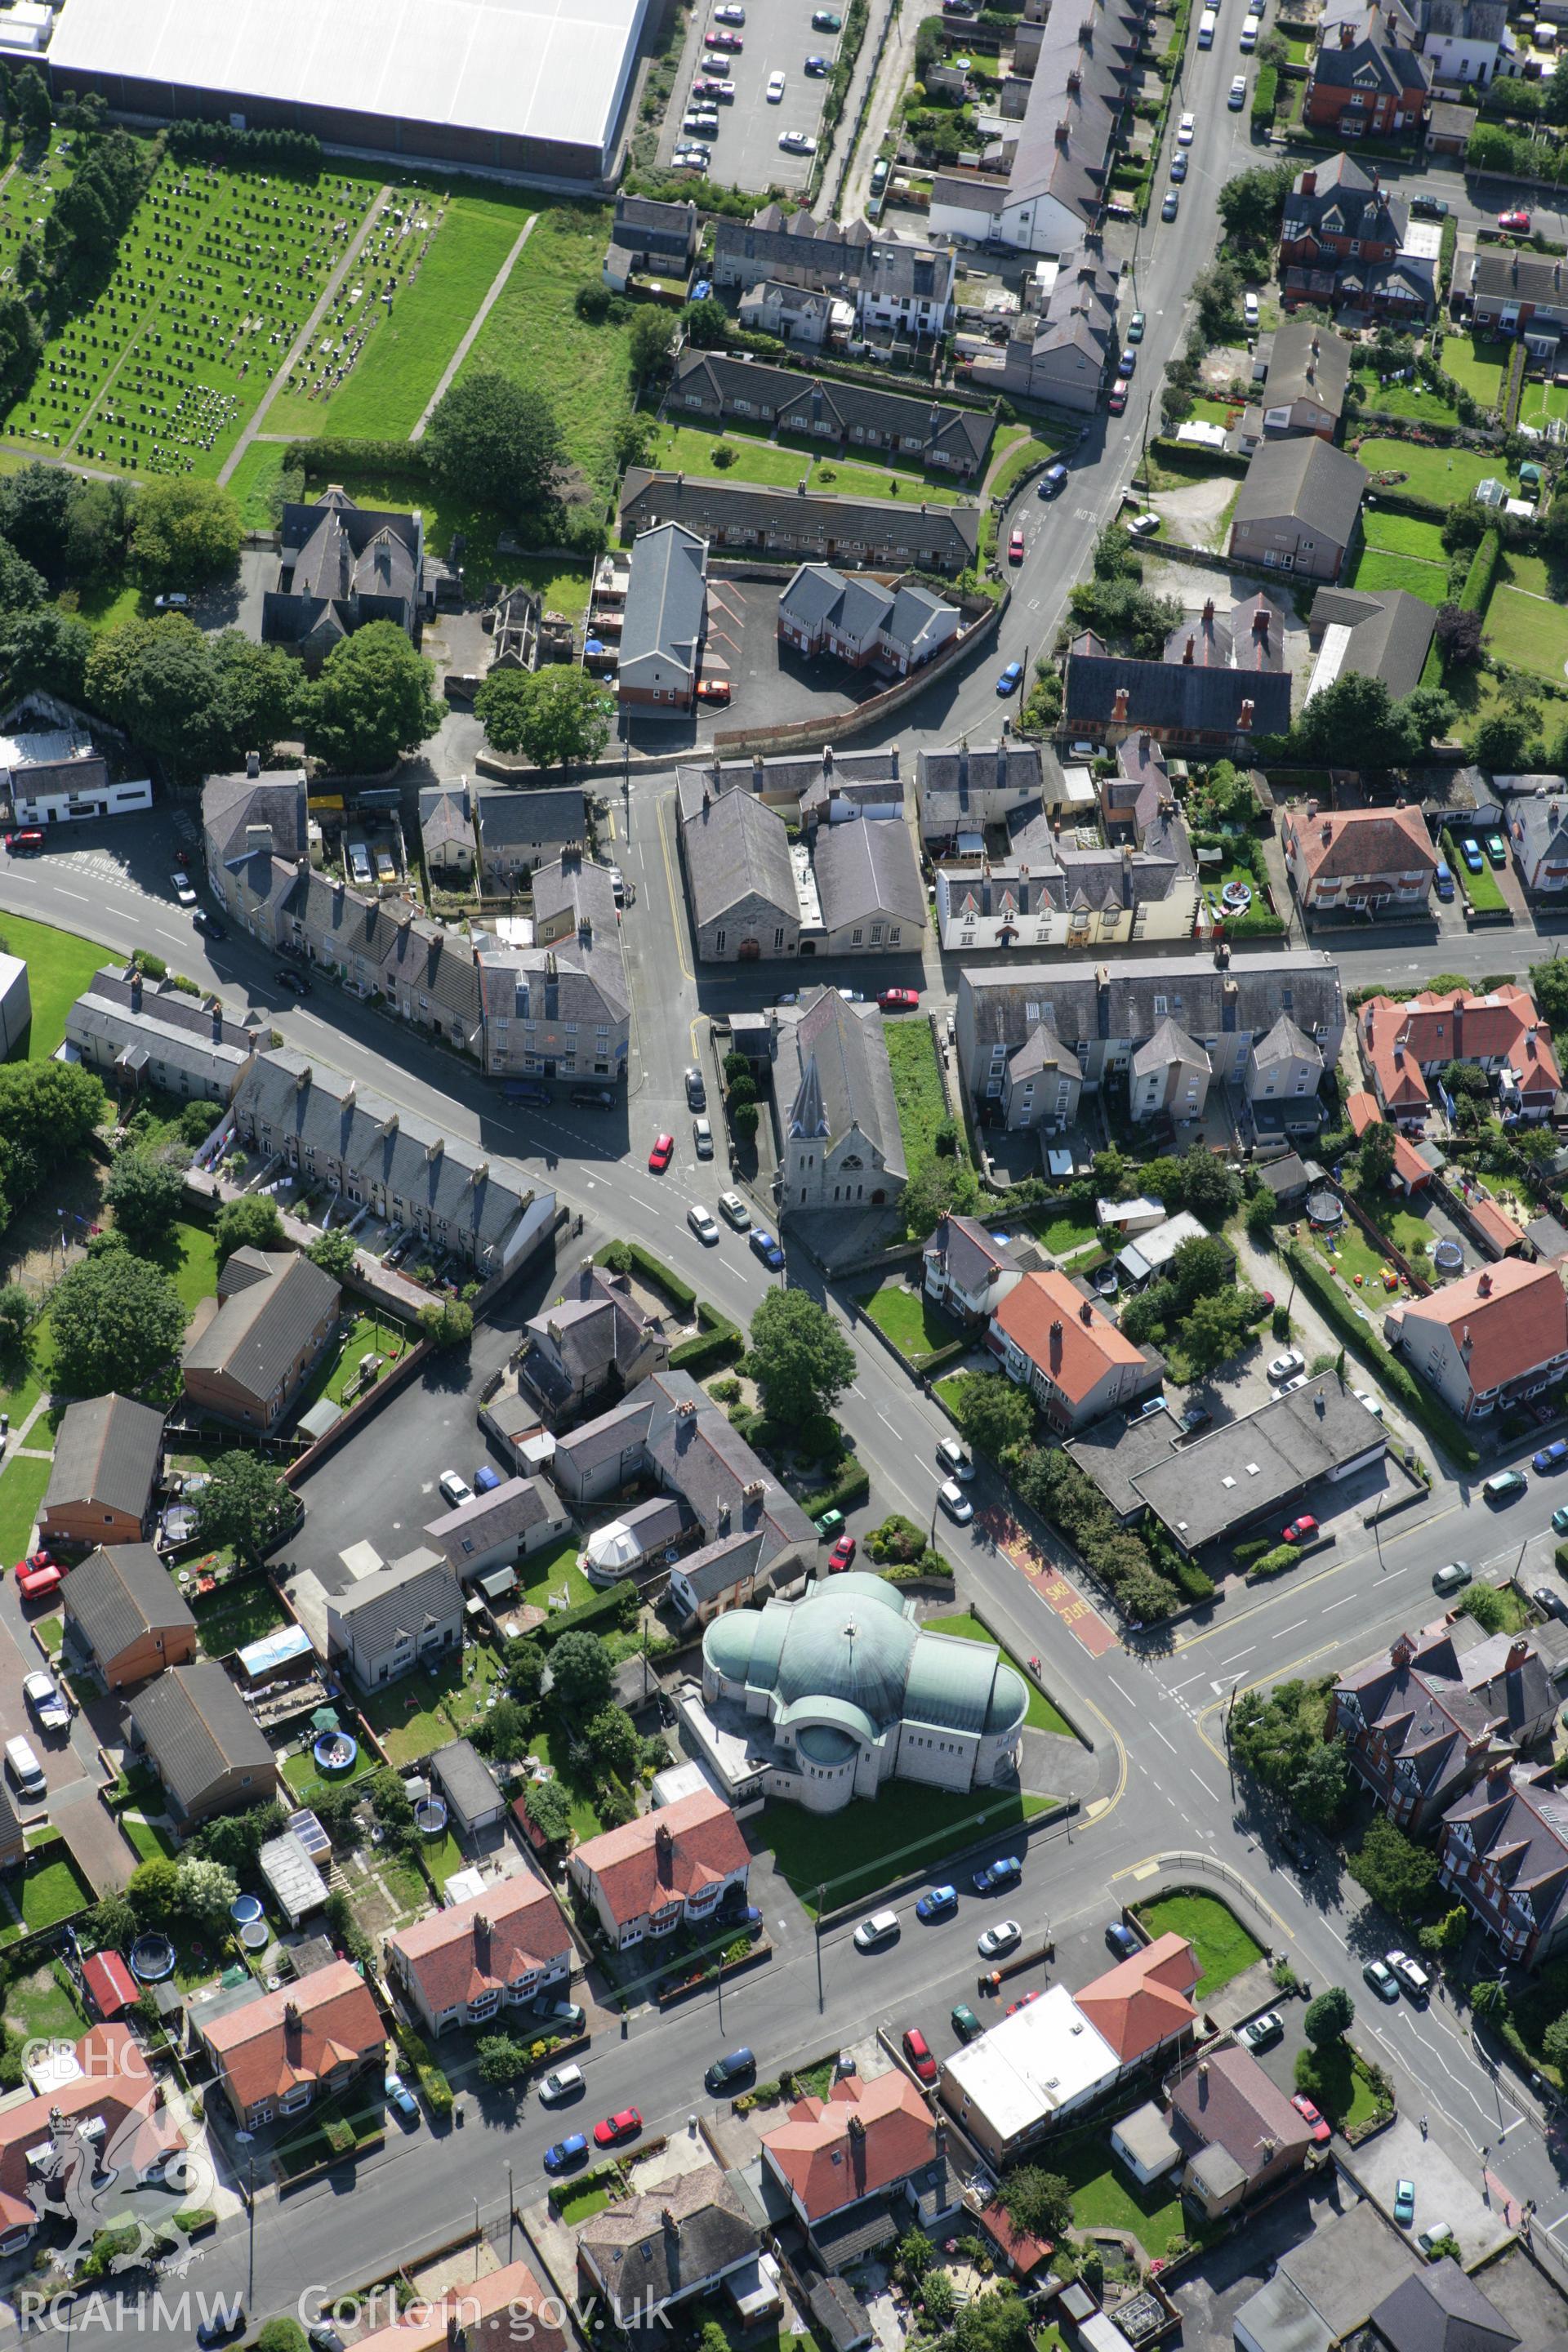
[850, 1641]
[730, 1640]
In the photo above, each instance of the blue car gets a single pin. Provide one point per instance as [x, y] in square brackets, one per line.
[1552, 1456]
[524, 1090]
[1470, 851]
[937, 1904]
[1008, 681]
[1053, 481]
[766, 1248]
[566, 2153]
[1123, 1941]
[1005, 1872]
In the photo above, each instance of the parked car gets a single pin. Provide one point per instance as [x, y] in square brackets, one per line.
[1497, 849]
[1262, 2033]
[34, 1583]
[1249, 310]
[183, 889]
[899, 1000]
[1435, 2235]
[565, 2016]
[526, 1090]
[1382, 1979]
[322, 2336]
[1005, 1871]
[1313, 2119]
[229, 2321]
[1128, 362]
[797, 142]
[400, 2096]
[662, 1153]
[776, 88]
[830, 1524]
[730, 13]
[953, 1455]
[1135, 327]
[936, 1903]
[734, 1211]
[1411, 1975]
[1560, 1519]
[879, 1928]
[815, 67]
[1429, 207]
[1008, 681]
[763, 1245]
[1250, 29]
[46, 1706]
[827, 20]
[1185, 130]
[1179, 165]
[1168, 211]
[1372, 1404]
[715, 690]
[1195, 1417]
[1025, 1998]
[1116, 401]
[1237, 98]
[27, 842]
[1503, 1485]
[1285, 1367]
[696, 1089]
[1470, 851]
[733, 2068]
[1405, 2202]
[1016, 546]
[293, 984]
[1551, 1457]
[965, 2023]
[209, 924]
[562, 2083]
[1299, 1529]
[702, 1139]
[701, 119]
[1449, 1579]
[1143, 526]
[917, 2050]
[611, 2131]
[1294, 1848]
[595, 1097]
[565, 2153]
[955, 1502]
[1123, 1941]
[703, 1223]
[455, 1489]
[991, 1941]
[842, 1556]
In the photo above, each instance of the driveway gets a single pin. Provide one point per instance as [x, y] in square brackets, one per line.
[1472, 2209]
[769, 681]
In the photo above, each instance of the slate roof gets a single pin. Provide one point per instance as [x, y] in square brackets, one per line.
[1287, 1043]
[1226, 2101]
[122, 1593]
[1390, 634]
[1375, 46]
[859, 607]
[504, 1516]
[1170, 1044]
[458, 1181]
[1246, 998]
[868, 868]
[832, 1074]
[1007, 766]
[1344, 200]
[1213, 667]
[232, 804]
[107, 1452]
[719, 1567]
[667, 599]
[269, 1304]
[652, 2249]
[595, 1325]
[1520, 1828]
[1062, 148]
[1442, 2310]
[554, 815]
[722, 378]
[1307, 481]
[966, 1252]
[196, 1727]
[735, 849]
[1309, 362]
[1420, 1699]
[416, 1592]
[837, 257]
[445, 815]
[344, 549]
[947, 536]
[1504, 277]
[1539, 824]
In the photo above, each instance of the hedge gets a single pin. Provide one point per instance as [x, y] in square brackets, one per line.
[1432, 667]
[851, 1486]
[652, 1269]
[1195, 1582]
[1433, 1417]
[1560, 1559]
[1274, 1562]
[585, 1614]
[406, 457]
[718, 1341]
[1214, 461]
[1265, 98]
[432, 2081]
[1479, 577]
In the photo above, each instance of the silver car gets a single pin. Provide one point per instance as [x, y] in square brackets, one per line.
[702, 1223]
[43, 1697]
[734, 1210]
[702, 1137]
[955, 1502]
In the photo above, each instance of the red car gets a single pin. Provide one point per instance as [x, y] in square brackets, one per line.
[842, 1555]
[730, 41]
[1312, 2119]
[22, 844]
[1118, 400]
[663, 1151]
[714, 689]
[615, 2128]
[1515, 219]
[917, 2050]
[1299, 1529]
[1016, 548]
[1024, 2000]
[32, 1582]
[899, 1000]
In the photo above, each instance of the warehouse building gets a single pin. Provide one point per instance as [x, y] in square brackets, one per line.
[504, 85]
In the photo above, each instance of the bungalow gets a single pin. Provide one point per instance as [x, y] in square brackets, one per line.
[1488, 1341]
[275, 2052]
[497, 1950]
[1369, 861]
[1055, 1342]
[678, 1863]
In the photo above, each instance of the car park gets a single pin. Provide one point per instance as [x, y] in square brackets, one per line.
[1122, 1940]
[1314, 2122]
[797, 142]
[1300, 1530]
[816, 67]
[1382, 1979]
[879, 1928]
[937, 1903]
[1005, 1871]
[763, 1245]
[1552, 1456]
[183, 889]
[955, 1502]
[1411, 1975]
[34, 1584]
[955, 1457]
[1262, 2033]
[1405, 2202]
[1016, 546]
[611, 2131]
[400, 2096]
[917, 2050]
[703, 1222]
[455, 1489]
[734, 1211]
[562, 2083]
[565, 2153]
[45, 1705]
[776, 88]
[735, 2067]
[1237, 98]
[702, 1139]
[965, 2023]
[725, 43]
[661, 1154]
[1168, 211]
[842, 1556]
[1285, 1367]
[1503, 1485]
[1008, 681]
[703, 119]
[991, 1941]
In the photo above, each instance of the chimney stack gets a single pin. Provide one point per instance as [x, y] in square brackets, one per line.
[1309, 184]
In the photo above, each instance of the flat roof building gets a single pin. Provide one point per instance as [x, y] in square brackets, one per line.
[1207, 1490]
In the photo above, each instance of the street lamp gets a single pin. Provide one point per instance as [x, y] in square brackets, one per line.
[510, 2215]
[817, 1937]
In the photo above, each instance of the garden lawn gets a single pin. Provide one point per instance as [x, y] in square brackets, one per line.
[782, 464]
[917, 1088]
[1527, 631]
[1542, 401]
[916, 1327]
[424, 1711]
[228, 1622]
[1064, 1233]
[1482, 889]
[1411, 1234]
[54, 1891]
[1042, 1714]
[1104, 2197]
[189, 1257]
[1413, 400]
[40, 2008]
[949, 1389]
[546, 1572]
[581, 2206]
[1376, 570]
[1344, 2097]
[22, 1484]
[1441, 475]
[534, 336]
[1398, 534]
[850, 1855]
[1013, 452]
[560, 587]
[1479, 367]
[1350, 1253]
[60, 967]
[550, 1749]
[392, 381]
[1222, 1944]
[152, 1843]
[309, 1782]
[368, 1334]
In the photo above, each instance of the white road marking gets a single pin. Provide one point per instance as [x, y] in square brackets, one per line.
[1339, 1605]
[1117, 1686]
[1203, 1784]
[1160, 1735]
[86, 901]
[1239, 1654]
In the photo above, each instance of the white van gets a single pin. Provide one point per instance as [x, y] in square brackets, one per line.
[1208, 24]
[25, 1768]
[1249, 32]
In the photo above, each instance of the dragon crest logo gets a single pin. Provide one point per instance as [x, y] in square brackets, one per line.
[113, 2170]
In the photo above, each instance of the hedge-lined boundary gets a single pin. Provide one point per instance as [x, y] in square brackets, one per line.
[1265, 98]
[1434, 1418]
[1483, 568]
[584, 1614]
[716, 1340]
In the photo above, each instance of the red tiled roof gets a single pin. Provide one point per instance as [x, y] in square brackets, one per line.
[477, 1946]
[270, 2045]
[1063, 1332]
[1144, 2000]
[114, 2084]
[1363, 1112]
[1395, 1065]
[1494, 1222]
[1024, 2253]
[828, 2164]
[1515, 1316]
[1351, 843]
[1455, 1026]
[676, 1850]
[110, 1983]
[494, 2310]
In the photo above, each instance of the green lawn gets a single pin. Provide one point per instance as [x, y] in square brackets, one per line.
[553, 1570]
[252, 482]
[1027, 449]
[1222, 1946]
[1481, 889]
[1104, 2197]
[1341, 2093]
[424, 1711]
[60, 967]
[1064, 1233]
[1410, 1234]
[51, 1632]
[906, 1827]
[229, 1621]
[149, 1841]
[783, 464]
[1399, 534]
[369, 1334]
[1376, 569]
[917, 1088]
[585, 1822]
[1411, 400]
[560, 587]
[52, 1892]
[411, 342]
[1042, 1714]
[1480, 368]
[910, 1321]
[189, 1257]
[22, 1484]
[40, 2008]
[1441, 475]
[581, 2206]
[308, 1782]
[1542, 401]
[1350, 1253]
[1527, 631]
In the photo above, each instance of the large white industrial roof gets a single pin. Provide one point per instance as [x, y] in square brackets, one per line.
[1030, 2066]
[531, 69]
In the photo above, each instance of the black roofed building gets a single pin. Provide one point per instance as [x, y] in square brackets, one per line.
[869, 892]
[383, 1624]
[1504, 1852]
[1343, 240]
[343, 565]
[520, 831]
[665, 620]
[107, 1454]
[468, 1785]
[596, 1341]
[1222, 681]
[1298, 507]
[1442, 2309]
[1422, 1723]
[1365, 78]
[894, 534]
[860, 621]
[1386, 633]
[499, 1528]
[1045, 890]
[655, 240]
[136, 1032]
[892, 281]
[1513, 293]
[839, 1142]
[200, 1738]
[125, 1617]
[964, 789]
[1304, 390]
[740, 875]
[847, 415]
[247, 1361]
[1062, 354]
[561, 1008]
[650, 2252]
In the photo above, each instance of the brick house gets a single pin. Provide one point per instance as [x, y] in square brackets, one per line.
[494, 1951]
[1364, 80]
[1422, 1723]
[1405, 1045]
[1504, 1852]
[845, 2162]
[275, 1315]
[202, 1740]
[1371, 860]
[108, 1454]
[1238, 2131]
[125, 1617]
[1338, 219]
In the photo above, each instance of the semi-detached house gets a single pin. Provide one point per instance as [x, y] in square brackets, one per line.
[852, 2163]
[1491, 1340]
[1404, 1045]
[125, 1617]
[247, 1361]
[275, 2053]
[675, 1863]
[1513, 293]
[107, 1454]
[497, 1950]
[1076, 1363]
[1504, 1852]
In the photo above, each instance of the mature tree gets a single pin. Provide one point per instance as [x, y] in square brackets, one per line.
[1375, 1158]
[206, 1889]
[283, 2334]
[117, 1322]
[1502, 740]
[256, 694]
[1489, 1998]
[800, 1360]
[145, 1190]
[236, 1840]
[22, 586]
[373, 700]
[1329, 2018]
[613, 1743]
[1199, 1268]
[15, 1316]
[1458, 635]
[1038, 2202]
[582, 1672]
[525, 1663]
[1394, 1870]
[159, 679]
[941, 1187]
[1218, 1327]
[1261, 1215]
[30, 102]
[994, 1413]
[334, 1252]
[503, 2060]
[252, 1221]
[505, 1732]
[1280, 1738]
[447, 1322]
[184, 530]
[939, 2299]
[244, 1503]
[36, 505]
[1447, 1934]
[994, 2323]
[706, 324]
[1351, 723]
[914, 2254]
[99, 532]
[1319, 1789]
[1554, 2043]
[648, 339]
[547, 1806]
[556, 714]
[153, 1890]
[496, 444]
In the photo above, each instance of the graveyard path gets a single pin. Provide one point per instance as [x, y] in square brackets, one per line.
[475, 323]
[302, 342]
